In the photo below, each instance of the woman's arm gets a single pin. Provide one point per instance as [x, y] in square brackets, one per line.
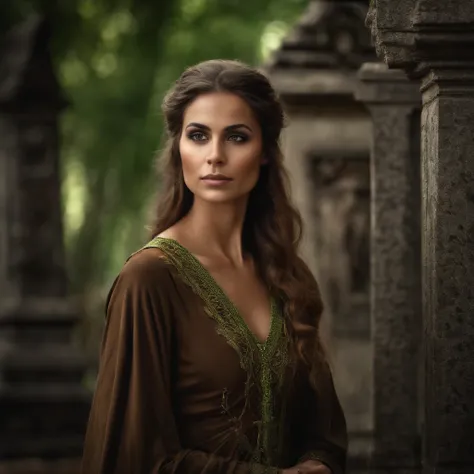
[132, 429]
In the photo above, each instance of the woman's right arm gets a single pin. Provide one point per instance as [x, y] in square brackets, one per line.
[131, 428]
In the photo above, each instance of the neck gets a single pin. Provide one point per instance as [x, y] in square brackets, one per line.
[216, 228]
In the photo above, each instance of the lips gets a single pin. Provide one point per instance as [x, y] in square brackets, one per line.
[216, 177]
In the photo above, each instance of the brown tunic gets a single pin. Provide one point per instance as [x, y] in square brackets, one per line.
[185, 387]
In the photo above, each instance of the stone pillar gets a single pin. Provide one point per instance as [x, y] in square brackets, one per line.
[434, 41]
[326, 149]
[448, 265]
[43, 404]
[394, 103]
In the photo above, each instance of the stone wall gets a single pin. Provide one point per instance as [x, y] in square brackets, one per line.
[433, 42]
[326, 148]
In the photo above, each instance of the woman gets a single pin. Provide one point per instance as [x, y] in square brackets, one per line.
[211, 359]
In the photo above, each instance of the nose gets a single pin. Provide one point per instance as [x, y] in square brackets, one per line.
[216, 154]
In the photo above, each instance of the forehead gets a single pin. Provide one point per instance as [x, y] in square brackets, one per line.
[219, 109]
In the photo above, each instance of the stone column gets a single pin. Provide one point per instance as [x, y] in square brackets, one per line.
[43, 404]
[326, 148]
[448, 265]
[394, 104]
[434, 41]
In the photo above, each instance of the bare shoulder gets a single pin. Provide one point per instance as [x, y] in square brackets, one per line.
[175, 232]
[181, 233]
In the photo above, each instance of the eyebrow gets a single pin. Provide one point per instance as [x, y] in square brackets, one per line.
[227, 129]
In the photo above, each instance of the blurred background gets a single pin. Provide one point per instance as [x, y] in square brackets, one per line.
[114, 60]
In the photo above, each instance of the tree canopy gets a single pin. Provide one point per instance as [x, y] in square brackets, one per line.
[115, 59]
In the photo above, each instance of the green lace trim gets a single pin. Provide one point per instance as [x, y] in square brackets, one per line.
[264, 362]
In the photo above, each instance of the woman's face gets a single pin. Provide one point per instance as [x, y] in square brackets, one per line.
[220, 147]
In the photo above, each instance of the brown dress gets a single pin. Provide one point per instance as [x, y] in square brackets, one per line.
[185, 387]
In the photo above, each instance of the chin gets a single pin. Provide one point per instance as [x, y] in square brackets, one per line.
[220, 196]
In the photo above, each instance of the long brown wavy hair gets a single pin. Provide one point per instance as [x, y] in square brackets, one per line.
[272, 227]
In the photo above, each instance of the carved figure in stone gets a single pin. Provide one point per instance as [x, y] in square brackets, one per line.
[342, 216]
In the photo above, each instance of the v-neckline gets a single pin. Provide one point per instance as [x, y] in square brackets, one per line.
[261, 344]
[265, 362]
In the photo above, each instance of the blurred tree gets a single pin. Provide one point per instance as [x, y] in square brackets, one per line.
[116, 59]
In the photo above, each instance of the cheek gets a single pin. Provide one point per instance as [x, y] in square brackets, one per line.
[189, 159]
[249, 166]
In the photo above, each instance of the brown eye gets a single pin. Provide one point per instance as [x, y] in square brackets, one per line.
[197, 136]
[238, 138]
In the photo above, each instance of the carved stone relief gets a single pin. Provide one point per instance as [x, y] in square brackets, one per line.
[342, 216]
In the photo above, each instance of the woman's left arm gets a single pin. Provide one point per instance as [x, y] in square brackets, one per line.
[324, 433]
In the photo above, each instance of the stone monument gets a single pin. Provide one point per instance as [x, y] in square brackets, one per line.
[43, 404]
[433, 42]
[394, 103]
[327, 148]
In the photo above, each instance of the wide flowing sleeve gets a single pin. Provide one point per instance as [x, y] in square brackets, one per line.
[322, 431]
[131, 428]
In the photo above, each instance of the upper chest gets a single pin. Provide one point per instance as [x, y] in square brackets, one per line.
[217, 341]
[216, 310]
[247, 292]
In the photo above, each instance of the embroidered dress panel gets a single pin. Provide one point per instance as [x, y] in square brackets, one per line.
[265, 362]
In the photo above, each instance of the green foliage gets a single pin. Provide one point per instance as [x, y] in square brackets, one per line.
[115, 60]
